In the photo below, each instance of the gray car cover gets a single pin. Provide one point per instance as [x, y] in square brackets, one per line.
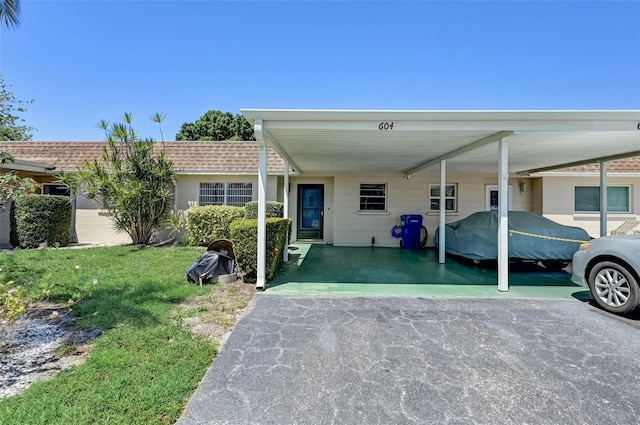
[531, 236]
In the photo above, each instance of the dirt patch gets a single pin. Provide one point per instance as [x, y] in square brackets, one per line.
[37, 347]
[213, 316]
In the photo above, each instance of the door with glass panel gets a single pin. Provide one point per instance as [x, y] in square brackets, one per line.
[310, 211]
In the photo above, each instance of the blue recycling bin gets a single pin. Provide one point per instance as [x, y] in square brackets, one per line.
[411, 227]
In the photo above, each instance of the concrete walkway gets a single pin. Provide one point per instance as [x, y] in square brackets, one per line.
[373, 360]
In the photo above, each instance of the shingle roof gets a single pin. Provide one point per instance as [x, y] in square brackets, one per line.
[628, 165]
[188, 157]
[210, 157]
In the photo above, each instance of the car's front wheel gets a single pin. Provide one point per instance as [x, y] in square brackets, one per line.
[613, 287]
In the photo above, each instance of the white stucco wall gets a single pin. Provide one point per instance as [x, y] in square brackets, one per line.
[558, 202]
[94, 227]
[346, 226]
[188, 189]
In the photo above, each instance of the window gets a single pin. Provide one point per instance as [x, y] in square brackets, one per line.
[55, 189]
[233, 194]
[373, 196]
[450, 197]
[587, 199]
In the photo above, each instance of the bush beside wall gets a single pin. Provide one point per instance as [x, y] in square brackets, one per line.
[244, 235]
[40, 218]
[274, 209]
[211, 222]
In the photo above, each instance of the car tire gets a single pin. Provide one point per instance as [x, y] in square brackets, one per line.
[613, 287]
[554, 265]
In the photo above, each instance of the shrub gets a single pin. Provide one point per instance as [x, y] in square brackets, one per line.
[40, 219]
[274, 209]
[244, 235]
[133, 181]
[211, 222]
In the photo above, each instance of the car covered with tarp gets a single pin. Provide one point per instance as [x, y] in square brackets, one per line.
[531, 237]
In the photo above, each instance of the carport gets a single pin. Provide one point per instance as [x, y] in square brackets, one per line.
[504, 142]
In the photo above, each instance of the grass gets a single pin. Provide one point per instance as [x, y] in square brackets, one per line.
[145, 364]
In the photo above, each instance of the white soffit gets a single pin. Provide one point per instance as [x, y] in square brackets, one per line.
[334, 141]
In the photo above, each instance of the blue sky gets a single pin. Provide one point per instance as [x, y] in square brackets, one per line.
[83, 61]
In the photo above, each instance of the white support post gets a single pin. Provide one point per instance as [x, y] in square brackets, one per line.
[603, 198]
[442, 216]
[503, 212]
[285, 199]
[262, 204]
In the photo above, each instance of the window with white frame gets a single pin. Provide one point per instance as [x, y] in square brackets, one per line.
[373, 197]
[233, 194]
[450, 197]
[587, 199]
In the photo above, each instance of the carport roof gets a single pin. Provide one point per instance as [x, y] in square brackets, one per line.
[412, 141]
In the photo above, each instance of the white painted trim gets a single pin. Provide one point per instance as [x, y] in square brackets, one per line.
[443, 212]
[285, 201]
[471, 146]
[585, 174]
[487, 195]
[262, 205]
[503, 216]
[575, 120]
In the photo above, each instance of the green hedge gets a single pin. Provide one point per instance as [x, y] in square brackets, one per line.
[211, 222]
[41, 218]
[244, 235]
[274, 209]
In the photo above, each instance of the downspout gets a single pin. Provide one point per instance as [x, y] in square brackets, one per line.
[603, 198]
[503, 215]
[443, 207]
[262, 204]
[285, 199]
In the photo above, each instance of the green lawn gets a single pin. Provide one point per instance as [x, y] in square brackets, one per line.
[145, 364]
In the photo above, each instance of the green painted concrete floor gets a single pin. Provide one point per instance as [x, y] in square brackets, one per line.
[330, 270]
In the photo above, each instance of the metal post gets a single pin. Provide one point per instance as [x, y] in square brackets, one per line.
[262, 204]
[603, 198]
[441, 234]
[285, 199]
[503, 219]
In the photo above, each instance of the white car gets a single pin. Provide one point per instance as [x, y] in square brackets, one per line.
[610, 267]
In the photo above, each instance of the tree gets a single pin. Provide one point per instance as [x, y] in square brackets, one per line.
[11, 127]
[9, 13]
[217, 125]
[12, 185]
[132, 181]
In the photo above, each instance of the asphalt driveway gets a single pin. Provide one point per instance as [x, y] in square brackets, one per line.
[374, 360]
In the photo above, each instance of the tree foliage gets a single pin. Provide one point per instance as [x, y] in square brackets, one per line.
[12, 185]
[133, 182]
[11, 125]
[9, 13]
[217, 125]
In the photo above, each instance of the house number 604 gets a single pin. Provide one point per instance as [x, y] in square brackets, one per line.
[389, 126]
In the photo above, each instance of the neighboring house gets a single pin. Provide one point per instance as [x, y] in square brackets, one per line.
[22, 168]
[571, 195]
[207, 173]
[342, 208]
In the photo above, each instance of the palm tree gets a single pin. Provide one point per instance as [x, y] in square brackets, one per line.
[9, 13]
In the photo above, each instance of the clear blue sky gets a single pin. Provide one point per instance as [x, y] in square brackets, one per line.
[83, 61]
